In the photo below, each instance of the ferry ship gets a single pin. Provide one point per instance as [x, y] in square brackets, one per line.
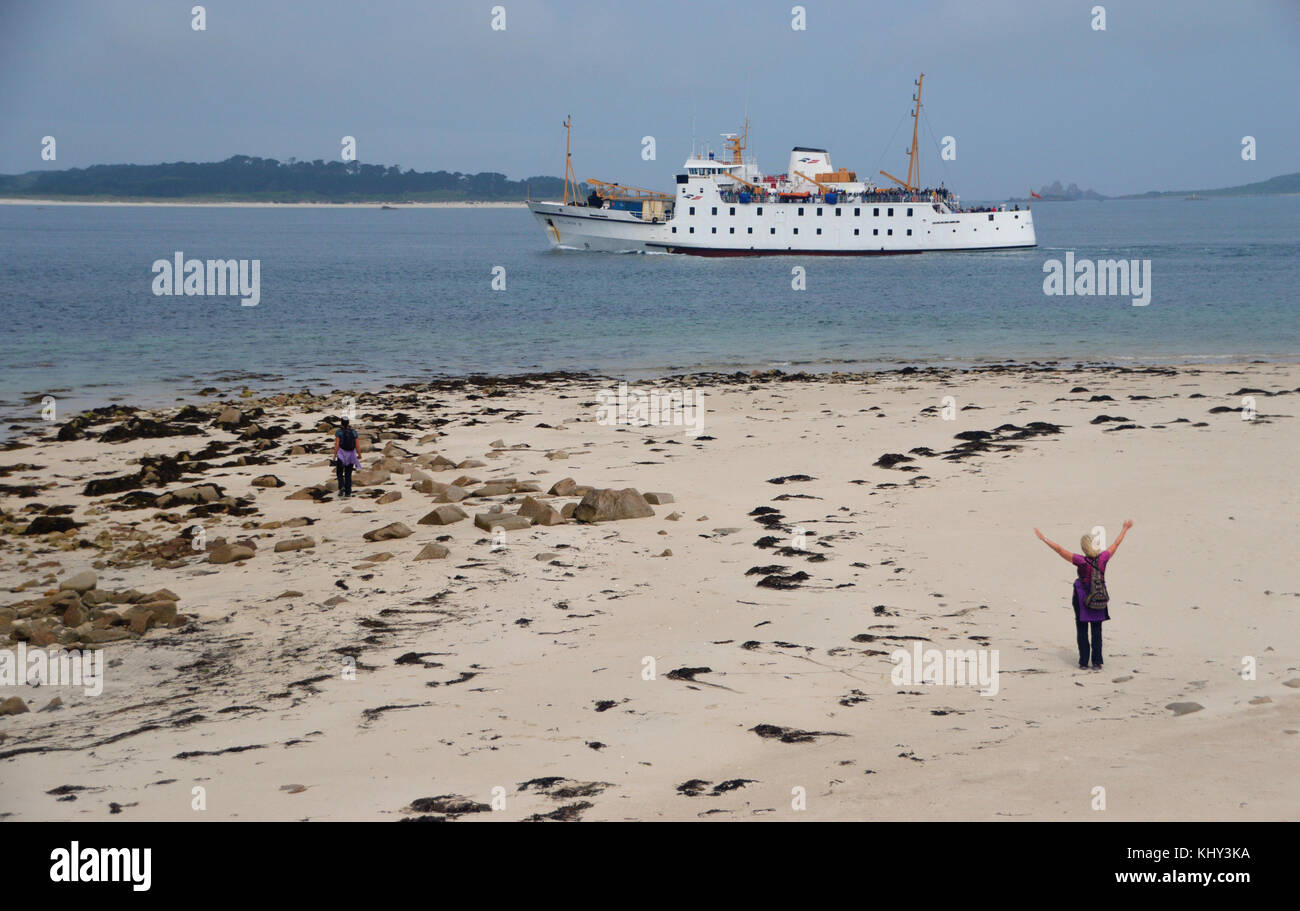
[729, 208]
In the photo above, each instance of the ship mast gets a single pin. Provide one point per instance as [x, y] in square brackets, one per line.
[913, 164]
[737, 143]
[912, 161]
[568, 161]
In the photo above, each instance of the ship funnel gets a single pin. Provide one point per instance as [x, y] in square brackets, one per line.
[808, 161]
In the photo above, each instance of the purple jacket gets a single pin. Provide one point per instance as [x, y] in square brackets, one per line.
[1083, 583]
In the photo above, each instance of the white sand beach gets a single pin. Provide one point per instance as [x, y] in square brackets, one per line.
[348, 680]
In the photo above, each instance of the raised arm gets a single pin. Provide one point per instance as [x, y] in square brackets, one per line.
[1065, 554]
[1128, 523]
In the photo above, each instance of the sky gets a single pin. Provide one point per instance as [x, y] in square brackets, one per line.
[1029, 90]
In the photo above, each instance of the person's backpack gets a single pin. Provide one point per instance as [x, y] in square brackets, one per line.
[347, 439]
[1098, 598]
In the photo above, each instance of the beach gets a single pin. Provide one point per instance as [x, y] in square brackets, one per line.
[731, 656]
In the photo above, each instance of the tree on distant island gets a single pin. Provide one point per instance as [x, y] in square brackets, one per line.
[247, 178]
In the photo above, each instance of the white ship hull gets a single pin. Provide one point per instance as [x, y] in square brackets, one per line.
[769, 229]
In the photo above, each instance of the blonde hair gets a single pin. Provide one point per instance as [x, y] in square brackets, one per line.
[1089, 544]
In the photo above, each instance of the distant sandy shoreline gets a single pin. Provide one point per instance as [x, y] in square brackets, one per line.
[265, 205]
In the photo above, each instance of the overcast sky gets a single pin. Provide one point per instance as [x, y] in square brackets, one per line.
[1029, 90]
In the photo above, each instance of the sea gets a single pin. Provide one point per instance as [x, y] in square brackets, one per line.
[358, 297]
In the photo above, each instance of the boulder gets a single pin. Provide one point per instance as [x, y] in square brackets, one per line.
[74, 616]
[432, 552]
[465, 481]
[294, 544]
[490, 521]
[43, 525]
[267, 480]
[141, 617]
[541, 513]
[493, 489]
[81, 582]
[658, 498]
[99, 636]
[199, 493]
[230, 417]
[388, 532]
[227, 553]
[565, 488]
[315, 492]
[608, 504]
[369, 477]
[14, 705]
[391, 497]
[452, 494]
[444, 515]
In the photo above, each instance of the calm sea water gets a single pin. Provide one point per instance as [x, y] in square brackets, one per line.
[353, 297]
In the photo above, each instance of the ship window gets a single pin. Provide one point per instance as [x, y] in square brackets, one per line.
[692, 210]
[801, 210]
[909, 232]
[715, 210]
[733, 210]
[875, 231]
[760, 210]
[715, 230]
[692, 229]
[909, 213]
[890, 232]
[855, 232]
[796, 230]
[674, 229]
[733, 231]
[990, 216]
[890, 211]
[819, 230]
[749, 230]
[819, 210]
[857, 211]
[771, 230]
[837, 211]
[875, 212]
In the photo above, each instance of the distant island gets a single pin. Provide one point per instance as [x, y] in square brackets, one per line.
[1274, 186]
[243, 178]
[1057, 193]
[246, 179]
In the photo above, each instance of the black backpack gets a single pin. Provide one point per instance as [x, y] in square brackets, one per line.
[1098, 598]
[347, 439]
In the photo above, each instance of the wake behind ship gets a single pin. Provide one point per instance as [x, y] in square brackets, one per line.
[730, 208]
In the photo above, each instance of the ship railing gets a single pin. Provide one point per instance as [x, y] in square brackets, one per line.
[861, 199]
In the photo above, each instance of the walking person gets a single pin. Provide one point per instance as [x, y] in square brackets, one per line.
[1090, 599]
[346, 456]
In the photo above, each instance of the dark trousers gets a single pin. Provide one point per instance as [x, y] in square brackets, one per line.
[344, 473]
[1081, 628]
